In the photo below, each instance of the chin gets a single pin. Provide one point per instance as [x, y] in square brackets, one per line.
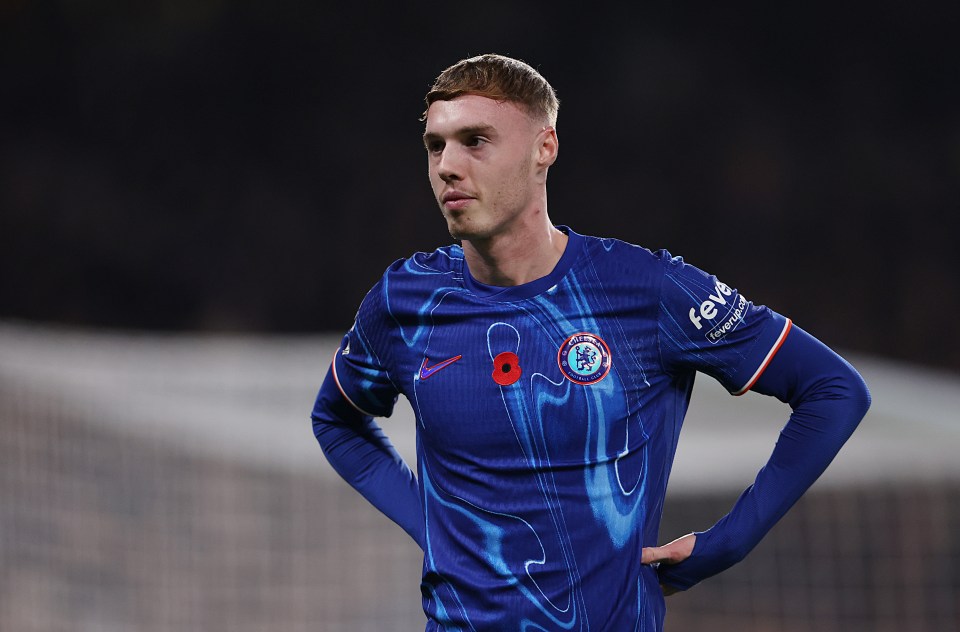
[465, 233]
[457, 232]
[460, 229]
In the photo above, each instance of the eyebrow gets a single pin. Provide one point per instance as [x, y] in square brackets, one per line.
[470, 130]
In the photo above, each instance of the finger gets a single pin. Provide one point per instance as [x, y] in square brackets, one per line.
[651, 555]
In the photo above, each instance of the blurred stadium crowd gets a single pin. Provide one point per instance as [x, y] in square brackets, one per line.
[246, 166]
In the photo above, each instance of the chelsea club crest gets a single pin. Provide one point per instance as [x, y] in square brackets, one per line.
[584, 358]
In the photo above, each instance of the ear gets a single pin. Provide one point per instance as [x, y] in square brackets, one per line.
[548, 147]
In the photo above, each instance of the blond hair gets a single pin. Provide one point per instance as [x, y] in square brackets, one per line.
[499, 78]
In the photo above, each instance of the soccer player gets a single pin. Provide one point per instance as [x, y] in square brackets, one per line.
[550, 372]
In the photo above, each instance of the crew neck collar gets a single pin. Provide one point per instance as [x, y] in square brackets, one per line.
[533, 288]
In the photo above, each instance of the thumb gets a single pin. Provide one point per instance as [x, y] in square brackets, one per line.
[652, 555]
[672, 553]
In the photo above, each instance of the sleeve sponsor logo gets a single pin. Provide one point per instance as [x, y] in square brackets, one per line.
[721, 298]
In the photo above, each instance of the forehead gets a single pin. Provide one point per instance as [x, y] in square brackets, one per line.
[472, 111]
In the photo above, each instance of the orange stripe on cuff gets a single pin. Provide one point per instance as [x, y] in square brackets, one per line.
[767, 359]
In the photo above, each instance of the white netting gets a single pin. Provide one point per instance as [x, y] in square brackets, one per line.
[172, 483]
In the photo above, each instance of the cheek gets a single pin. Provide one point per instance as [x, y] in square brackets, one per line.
[515, 183]
[435, 182]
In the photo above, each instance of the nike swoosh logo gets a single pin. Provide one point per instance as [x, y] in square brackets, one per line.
[427, 371]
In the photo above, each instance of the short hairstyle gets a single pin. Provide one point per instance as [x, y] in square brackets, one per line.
[500, 78]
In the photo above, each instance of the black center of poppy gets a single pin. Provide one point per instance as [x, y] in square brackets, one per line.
[505, 368]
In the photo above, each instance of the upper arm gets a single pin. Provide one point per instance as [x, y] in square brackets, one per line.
[804, 367]
[708, 326]
[361, 366]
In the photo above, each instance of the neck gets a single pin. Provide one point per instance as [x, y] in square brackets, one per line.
[515, 257]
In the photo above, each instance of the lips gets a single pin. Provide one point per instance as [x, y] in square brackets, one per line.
[455, 199]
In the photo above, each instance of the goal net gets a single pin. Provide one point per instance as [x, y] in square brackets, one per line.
[172, 483]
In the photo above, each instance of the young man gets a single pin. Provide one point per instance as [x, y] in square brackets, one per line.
[550, 373]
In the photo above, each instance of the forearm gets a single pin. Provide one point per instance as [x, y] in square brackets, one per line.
[828, 398]
[362, 455]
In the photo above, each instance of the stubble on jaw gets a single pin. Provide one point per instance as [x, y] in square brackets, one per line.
[461, 223]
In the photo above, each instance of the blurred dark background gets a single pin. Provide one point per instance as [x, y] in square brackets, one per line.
[251, 166]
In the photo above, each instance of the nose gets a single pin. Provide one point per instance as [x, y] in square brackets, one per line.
[449, 167]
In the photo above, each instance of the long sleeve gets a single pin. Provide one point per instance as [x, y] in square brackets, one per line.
[828, 399]
[362, 454]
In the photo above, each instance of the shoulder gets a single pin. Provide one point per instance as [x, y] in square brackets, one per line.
[623, 256]
[410, 279]
[442, 266]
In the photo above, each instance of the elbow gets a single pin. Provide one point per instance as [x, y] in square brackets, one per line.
[320, 426]
[864, 398]
[324, 431]
[844, 397]
[857, 392]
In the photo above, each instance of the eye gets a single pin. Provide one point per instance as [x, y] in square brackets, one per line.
[434, 146]
[475, 141]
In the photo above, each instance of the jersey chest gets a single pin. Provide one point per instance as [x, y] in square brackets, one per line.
[507, 383]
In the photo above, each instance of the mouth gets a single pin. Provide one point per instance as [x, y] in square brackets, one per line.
[455, 200]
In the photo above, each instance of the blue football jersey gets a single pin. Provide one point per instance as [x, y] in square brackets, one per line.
[547, 421]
